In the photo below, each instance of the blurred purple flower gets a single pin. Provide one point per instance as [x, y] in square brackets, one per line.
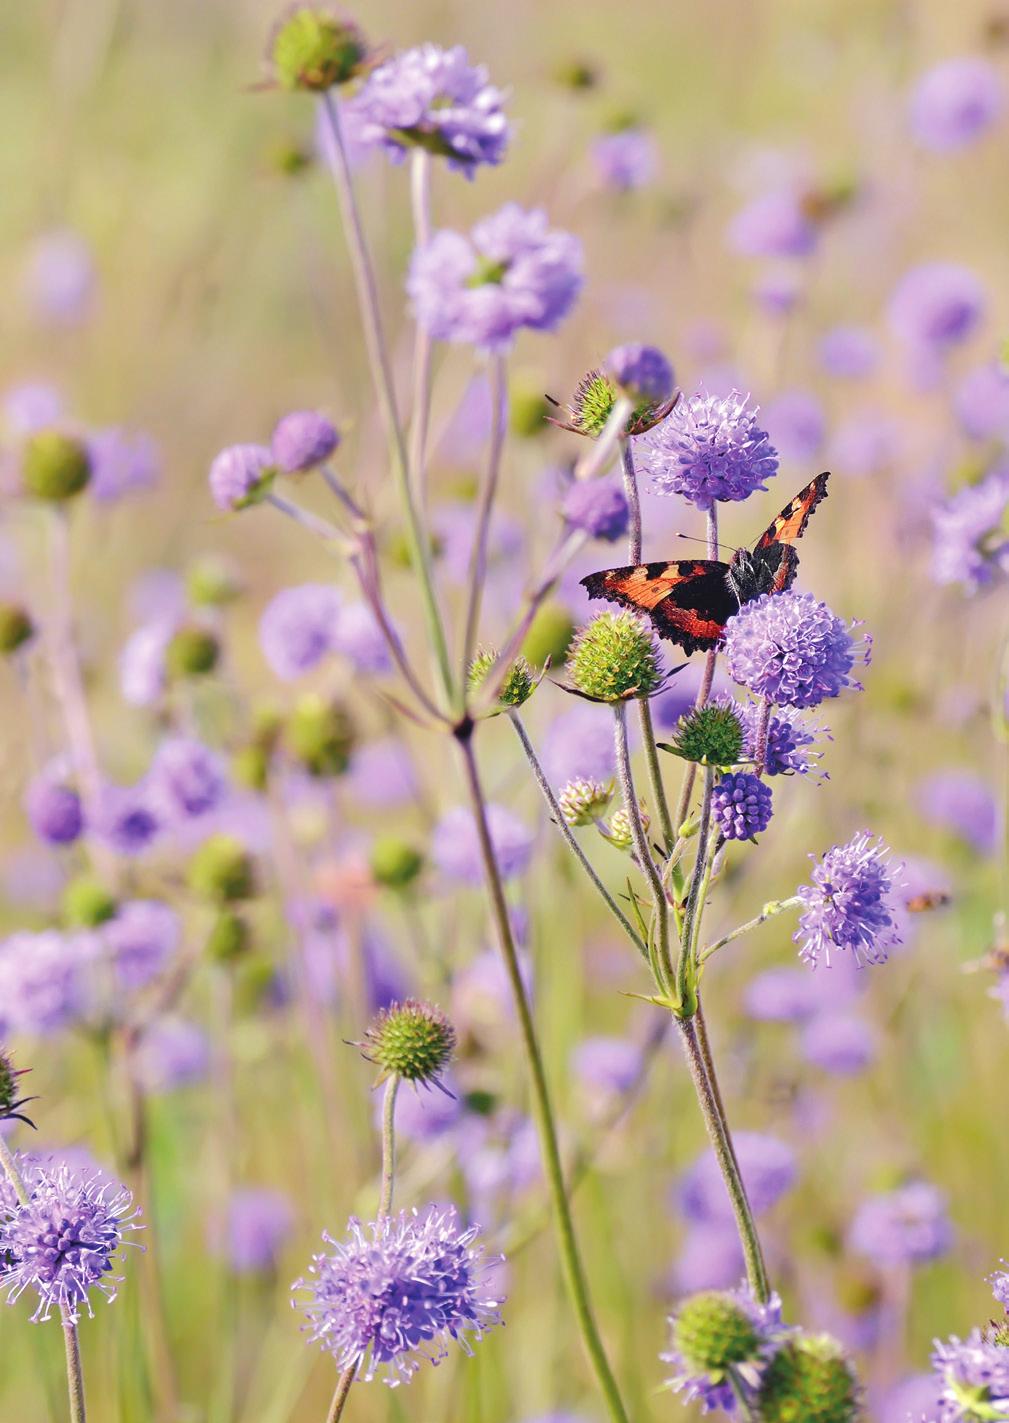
[256, 1228]
[481, 994]
[970, 538]
[455, 848]
[453, 523]
[54, 809]
[597, 506]
[236, 473]
[999, 1282]
[43, 982]
[171, 1053]
[778, 290]
[424, 1116]
[299, 628]
[769, 1170]
[741, 805]
[140, 941]
[122, 462]
[909, 1226]
[127, 819]
[642, 371]
[839, 1043]
[358, 637]
[579, 746]
[186, 778]
[848, 352]
[381, 774]
[626, 160]
[935, 306]
[302, 440]
[60, 279]
[914, 1398]
[143, 670]
[954, 103]
[710, 1258]
[708, 449]
[792, 649]
[797, 424]
[851, 904]
[607, 1065]
[774, 224]
[781, 995]
[981, 402]
[963, 803]
[865, 444]
[32, 406]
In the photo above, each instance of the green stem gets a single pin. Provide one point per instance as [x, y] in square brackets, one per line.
[665, 972]
[686, 972]
[773, 907]
[9, 1167]
[574, 1272]
[388, 1145]
[75, 1374]
[485, 510]
[420, 408]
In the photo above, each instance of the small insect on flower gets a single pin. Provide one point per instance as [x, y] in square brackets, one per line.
[396, 1290]
[851, 904]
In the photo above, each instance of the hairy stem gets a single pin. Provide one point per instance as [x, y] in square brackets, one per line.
[420, 409]
[388, 1145]
[75, 1374]
[663, 965]
[9, 1167]
[707, 680]
[485, 510]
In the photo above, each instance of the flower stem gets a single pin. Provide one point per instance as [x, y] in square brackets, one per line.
[773, 907]
[420, 409]
[388, 1145]
[9, 1167]
[75, 1374]
[663, 965]
[343, 1388]
[760, 742]
[686, 968]
[574, 1271]
[485, 510]
[707, 679]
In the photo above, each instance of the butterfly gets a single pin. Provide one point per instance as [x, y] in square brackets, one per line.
[690, 600]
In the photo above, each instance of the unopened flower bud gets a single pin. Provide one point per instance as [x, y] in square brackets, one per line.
[320, 735]
[394, 862]
[584, 801]
[87, 903]
[412, 1040]
[313, 48]
[614, 657]
[55, 466]
[222, 871]
[16, 628]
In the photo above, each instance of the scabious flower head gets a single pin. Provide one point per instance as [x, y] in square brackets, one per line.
[935, 306]
[954, 103]
[396, 1290]
[715, 1332]
[455, 848]
[127, 819]
[434, 99]
[908, 1226]
[303, 440]
[171, 1053]
[583, 801]
[240, 475]
[839, 1043]
[775, 224]
[512, 271]
[708, 449]
[615, 656]
[298, 628]
[139, 940]
[848, 352]
[598, 507]
[591, 406]
[187, 778]
[851, 903]
[122, 462]
[518, 685]
[959, 801]
[792, 649]
[256, 1228]
[619, 832]
[312, 47]
[999, 1281]
[54, 810]
[627, 159]
[64, 1244]
[608, 1065]
[981, 402]
[412, 1040]
[768, 1168]
[970, 538]
[973, 1377]
[809, 1378]
[741, 805]
[788, 738]
[43, 981]
[143, 670]
[711, 735]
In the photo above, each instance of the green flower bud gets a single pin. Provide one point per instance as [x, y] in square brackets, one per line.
[592, 405]
[222, 871]
[212, 582]
[710, 736]
[618, 831]
[87, 903]
[229, 937]
[809, 1380]
[711, 1331]
[411, 1040]
[614, 657]
[320, 735]
[250, 766]
[55, 466]
[11, 1100]
[549, 635]
[289, 157]
[577, 74]
[394, 862]
[312, 48]
[192, 652]
[518, 685]
[16, 628]
[528, 414]
[584, 801]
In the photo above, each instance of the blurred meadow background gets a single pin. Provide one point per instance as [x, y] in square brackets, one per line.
[173, 266]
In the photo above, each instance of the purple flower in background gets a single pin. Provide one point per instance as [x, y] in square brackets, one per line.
[773, 225]
[797, 424]
[65, 1242]
[851, 904]
[909, 1226]
[358, 637]
[768, 1168]
[298, 628]
[395, 1290]
[914, 1398]
[778, 290]
[512, 271]
[792, 649]
[954, 103]
[710, 1258]
[788, 738]
[780, 995]
[127, 819]
[31, 406]
[122, 462]
[453, 523]
[579, 746]
[54, 810]
[741, 805]
[381, 774]
[642, 371]
[434, 99]
[187, 778]
[257, 1225]
[972, 1376]
[970, 539]
[481, 997]
[999, 1282]
[143, 667]
[596, 506]
[608, 1065]
[303, 440]
[43, 981]
[708, 449]
[60, 278]
[456, 850]
[839, 1043]
[848, 352]
[935, 306]
[963, 803]
[865, 444]
[140, 941]
[424, 1116]
[626, 160]
[171, 1053]
[237, 473]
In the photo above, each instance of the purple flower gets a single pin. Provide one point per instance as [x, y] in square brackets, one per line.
[143, 670]
[381, 774]
[849, 352]
[935, 306]
[954, 103]
[31, 406]
[453, 523]
[999, 1282]
[60, 279]
[512, 271]
[866, 444]
[257, 1225]
[579, 746]
[187, 778]
[797, 425]
[607, 1065]
[298, 628]
[981, 402]
[642, 371]
[626, 160]
[708, 449]
[127, 819]
[425, 1116]
[710, 1258]
[973, 1378]
[839, 1043]
[456, 850]
[774, 224]
[43, 981]
[970, 543]
[303, 440]
[172, 1053]
[358, 637]
[963, 803]
[781, 995]
[788, 739]
[596, 506]
[792, 649]
[914, 1398]
[122, 462]
[396, 1290]
[908, 1226]
[851, 904]
[434, 99]
[712, 1390]
[768, 1168]
[741, 805]
[237, 473]
[64, 1243]
[54, 810]
[140, 941]
[778, 290]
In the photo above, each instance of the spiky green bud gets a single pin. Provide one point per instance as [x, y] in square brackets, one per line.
[809, 1380]
[394, 862]
[614, 657]
[549, 635]
[55, 466]
[584, 801]
[412, 1040]
[710, 736]
[518, 685]
[619, 833]
[222, 871]
[313, 48]
[11, 1100]
[592, 405]
[16, 628]
[212, 582]
[192, 652]
[229, 937]
[712, 1331]
[86, 903]
[320, 734]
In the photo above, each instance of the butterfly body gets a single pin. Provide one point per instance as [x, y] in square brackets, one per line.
[689, 601]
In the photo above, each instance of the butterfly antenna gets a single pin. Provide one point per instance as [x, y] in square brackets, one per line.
[692, 538]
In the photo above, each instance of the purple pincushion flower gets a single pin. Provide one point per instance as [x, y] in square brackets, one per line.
[608, 1065]
[187, 778]
[44, 981]
[788, 738]
[171, 1053]
[456, 850]
[741, 805]
[143, 662]
[769, 1170]
[839, 1043]
[140, 940]
[708, 449]
[30, 406]
[792, 649]
[396, 1290]
[60, 279]
[935, 306]
[54, 810]
[642, 371]
[954, 103]
[381, 774]
[908, 1226]
[981, 402]
[358, 637]
[237, 473]
[797, 424]
[579, 746]
[851, 904]
[598, 507]
[298, 628]
[848, 352]
[963, 803]
[127, 819]
[512, 271]
[970, 539]
[972, 1375]
[775, 224]
[303, 440]
[65, 1242]
[714, 1392]
[122, 462]
[626, 160]
[257, 1225]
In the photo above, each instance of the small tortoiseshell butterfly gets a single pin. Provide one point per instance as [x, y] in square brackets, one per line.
[690, 600]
